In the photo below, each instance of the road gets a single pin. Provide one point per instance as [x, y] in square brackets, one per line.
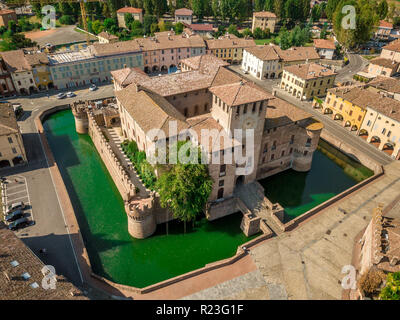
[356, 63]
[50, 230]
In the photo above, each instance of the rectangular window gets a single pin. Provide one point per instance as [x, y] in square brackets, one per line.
[10, 140]
[14, 150]
[222, 170]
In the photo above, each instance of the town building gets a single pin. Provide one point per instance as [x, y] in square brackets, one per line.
[264, 20]
[391, 51]
[202, 29]
[184, 15]
[384, 30]
[6, 83]
[206, 95]
[383, 67]
[39, 63]
[305, 81]
[21, 71]
[7, 15]
[229, 47]
[389, 87]
[105, 37]
[325, 48]
[136, 13]
[264, 62]
[21, 277]
[12, 150]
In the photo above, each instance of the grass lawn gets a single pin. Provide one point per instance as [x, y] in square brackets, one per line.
[369, 57]
[264, 41]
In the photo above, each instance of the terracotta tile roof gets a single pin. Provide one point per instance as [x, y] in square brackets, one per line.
[281, 113]
[228, 41]
[106, 35]
[105, 49]
[183, 12]
[13, 285]
[393, 46]
[297, 54]
[37, 58]
[171, 42]
[309, 71]
[127, 76]
[265, 52]
[8, 122]
[365, 98]
[264, 14]
[15, 61]
[324, 44]
[201, 27]
[385, 84]
[385, 24]
[224, 76]
[6, 11]
[129, 10]
[240, 93]
[206, 63]
[386, 63]
[149, 110]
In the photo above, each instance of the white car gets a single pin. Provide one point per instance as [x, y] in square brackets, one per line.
[93, 87]
[61, 95]
[71, 94]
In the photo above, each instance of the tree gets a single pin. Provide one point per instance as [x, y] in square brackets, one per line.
[269, 5]
[159, 7]
[128, 19]
[331, 8]
[382, 9]
[247, 33]
[259, 5]
[178, 28]
[148, 20]
[97, 26]
[258, 33]
[185, 188]
[67, 19]
[215, 8]
[284, 36]
[392, 289]
[154, 28]
[316, 12]
[110, 25]
[279, 8]
[232, 29]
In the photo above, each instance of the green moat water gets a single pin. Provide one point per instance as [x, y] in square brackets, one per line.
[332, 172]
[113, 253]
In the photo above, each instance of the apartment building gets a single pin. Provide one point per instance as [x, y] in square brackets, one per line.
[325, 48]
[389, 87]
[136, 13]
[184, 15]
[12, 150]
[229, 47]
[391, 51]
[105, 37]
[7, 15]
[264, 20]
[383, 67]
[39, 63]
[305, 81]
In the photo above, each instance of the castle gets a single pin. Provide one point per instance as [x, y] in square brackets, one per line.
[204, 95]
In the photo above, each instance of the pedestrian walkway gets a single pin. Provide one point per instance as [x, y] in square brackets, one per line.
[115, 141]
[254, 201]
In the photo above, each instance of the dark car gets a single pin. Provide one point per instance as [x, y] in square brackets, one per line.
[14, 216]
[18, 224]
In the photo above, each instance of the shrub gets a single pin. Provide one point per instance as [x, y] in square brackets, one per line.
[370, 281]
[67, 19]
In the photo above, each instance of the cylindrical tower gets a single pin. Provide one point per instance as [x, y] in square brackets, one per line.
[141, 222]
[304, 152]
[81, 117]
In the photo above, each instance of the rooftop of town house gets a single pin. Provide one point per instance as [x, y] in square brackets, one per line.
[15, 61]
[264, 52]
[6, 11]
[393, 46]
[230, 41]
[206, 63]
[324, 44]
[385, 84]
[206, 121]
[297, 54]
[364, 98]
[150, 110]
[8, 122]
[170, 42]
[239, 93]
[209, 73]
[183, 12]
[386, 63]
[309, 71]
[65, 57]
[201, 27]
[36, 58]
[281, 113]
[21, 276]
[129, 10]
[264, 14]
[127, 76]
[106, 35]
[385, 24]
[107, 49]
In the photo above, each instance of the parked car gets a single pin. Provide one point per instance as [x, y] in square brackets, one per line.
[61, 95]
[15, 206]
[93, 87]
[71, 94]
[18, 224]
[14, 215]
